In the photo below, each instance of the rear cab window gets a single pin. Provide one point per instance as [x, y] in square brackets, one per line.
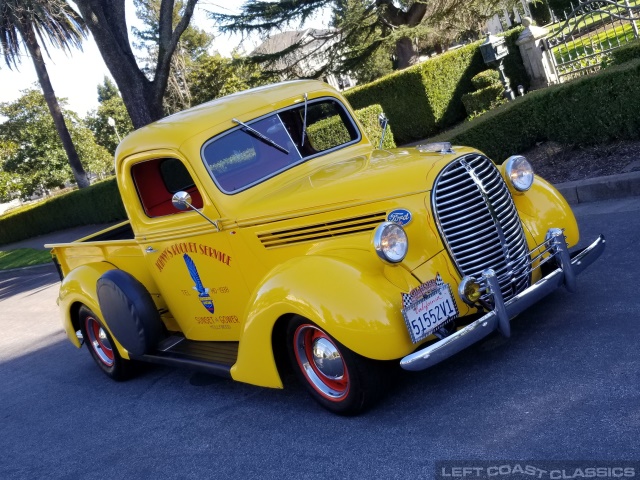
[264, 147]
[157, 180]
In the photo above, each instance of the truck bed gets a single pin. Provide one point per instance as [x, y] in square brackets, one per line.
[115, 245]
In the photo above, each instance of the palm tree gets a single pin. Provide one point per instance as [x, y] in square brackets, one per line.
[34, 21]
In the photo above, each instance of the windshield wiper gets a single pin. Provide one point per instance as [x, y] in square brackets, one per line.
[255, 133]
[304, 121]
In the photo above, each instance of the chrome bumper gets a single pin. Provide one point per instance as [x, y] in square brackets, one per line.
[503, 312]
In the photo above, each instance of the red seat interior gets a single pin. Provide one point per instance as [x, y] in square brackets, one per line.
[153, 193]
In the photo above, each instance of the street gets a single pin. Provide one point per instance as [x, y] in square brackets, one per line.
[565, 386]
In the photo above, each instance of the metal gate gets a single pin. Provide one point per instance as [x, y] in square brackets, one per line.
[594, 28]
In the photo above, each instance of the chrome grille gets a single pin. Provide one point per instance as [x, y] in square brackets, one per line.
[479, 223]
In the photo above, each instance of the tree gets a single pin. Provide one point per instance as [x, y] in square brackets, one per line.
[10, 185]
[363, 25]
[107, 90]
[111, 106]
[32, 154]
[214, 76]
[142, 96]
[193, 44]
[48, 20]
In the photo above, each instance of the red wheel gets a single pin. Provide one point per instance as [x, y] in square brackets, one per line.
[321, 362]
[339, 379]
[102, 347]
[98, 341]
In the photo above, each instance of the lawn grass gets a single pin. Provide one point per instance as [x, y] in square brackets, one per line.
[586, 20]
[23, 257]
[593, 44]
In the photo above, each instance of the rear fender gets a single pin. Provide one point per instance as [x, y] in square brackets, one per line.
[79, 287]
[351, 298]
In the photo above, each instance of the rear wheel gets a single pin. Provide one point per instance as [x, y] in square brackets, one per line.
[102, 347]
[337, 378]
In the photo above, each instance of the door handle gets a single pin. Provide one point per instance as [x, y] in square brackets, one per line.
[150, 250]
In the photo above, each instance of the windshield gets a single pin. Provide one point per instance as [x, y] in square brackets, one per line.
[259, 149]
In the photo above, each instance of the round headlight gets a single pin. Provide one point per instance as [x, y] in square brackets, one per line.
[519, 172]
[391, 242]
[470, 290]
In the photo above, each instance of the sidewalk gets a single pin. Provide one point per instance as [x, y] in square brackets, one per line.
[62, 236]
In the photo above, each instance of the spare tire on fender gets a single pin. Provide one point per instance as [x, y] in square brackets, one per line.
[129, 312]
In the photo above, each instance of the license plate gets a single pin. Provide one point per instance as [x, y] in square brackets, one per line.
[429, 313]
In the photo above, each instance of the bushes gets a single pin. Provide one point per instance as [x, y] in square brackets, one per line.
[488, 93]
[627, 53]
[402, 97]
[427, 98]
[327, 133]
[486, 78]
[482, 100]
[99, 203]
[368, 117]
[540, 13]
[589, 110]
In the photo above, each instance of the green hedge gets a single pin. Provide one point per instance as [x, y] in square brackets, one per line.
[402, 97]
[590, 110]
[427, 98]
[486, 78]
[540, 13]
[482, 100]
[627, 53]
[368, 117]
[327, 133]
[99, 203]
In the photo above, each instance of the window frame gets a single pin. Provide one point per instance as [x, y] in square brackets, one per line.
[303, 159]
[146, 206]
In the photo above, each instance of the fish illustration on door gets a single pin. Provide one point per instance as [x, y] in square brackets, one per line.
[203, 292]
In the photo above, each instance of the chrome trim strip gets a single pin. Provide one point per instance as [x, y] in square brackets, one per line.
[499, 318]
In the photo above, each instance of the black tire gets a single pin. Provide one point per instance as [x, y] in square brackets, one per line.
[129, 310]
[343, 382]
[102, 347]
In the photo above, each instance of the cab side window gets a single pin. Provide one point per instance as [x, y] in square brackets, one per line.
[157, 180]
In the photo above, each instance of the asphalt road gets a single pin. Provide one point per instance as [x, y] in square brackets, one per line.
[565, 386]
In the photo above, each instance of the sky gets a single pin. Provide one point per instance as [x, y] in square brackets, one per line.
[76, 76]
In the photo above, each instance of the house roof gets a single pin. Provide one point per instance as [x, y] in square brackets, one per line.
[304, 61]
[281, 41]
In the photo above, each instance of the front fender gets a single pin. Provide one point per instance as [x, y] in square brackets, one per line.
[351, 298]
[542, 207]
[79, 287]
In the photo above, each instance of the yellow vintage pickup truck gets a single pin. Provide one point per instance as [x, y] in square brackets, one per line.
[266, 230]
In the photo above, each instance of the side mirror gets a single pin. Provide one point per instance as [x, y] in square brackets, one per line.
[384, 122]
[181, 200]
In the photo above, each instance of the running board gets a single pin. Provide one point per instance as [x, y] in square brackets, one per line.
[215, 358]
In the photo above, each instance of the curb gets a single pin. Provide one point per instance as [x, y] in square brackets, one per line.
[601, 188]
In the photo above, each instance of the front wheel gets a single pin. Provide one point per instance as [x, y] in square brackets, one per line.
[102, 347]
[340, 380]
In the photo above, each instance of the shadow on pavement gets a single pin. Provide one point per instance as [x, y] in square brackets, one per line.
[34, 279]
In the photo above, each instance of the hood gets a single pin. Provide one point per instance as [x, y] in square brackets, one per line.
[327, 184]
